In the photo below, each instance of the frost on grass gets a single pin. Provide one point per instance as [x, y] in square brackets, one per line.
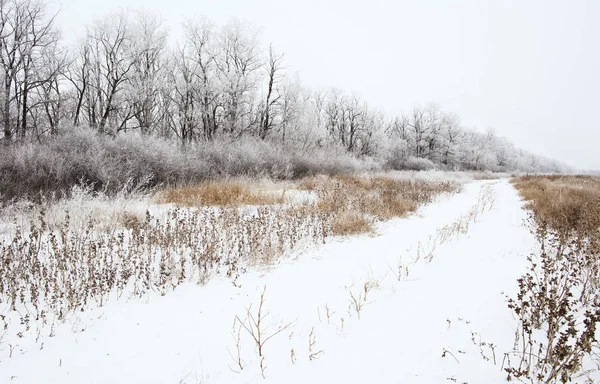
[52, 267]
[84, 205]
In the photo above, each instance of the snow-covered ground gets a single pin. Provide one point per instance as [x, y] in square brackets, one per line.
[431, 325]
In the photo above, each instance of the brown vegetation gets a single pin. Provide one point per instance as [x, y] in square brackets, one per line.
[485, 176]
[351, 223]
[570, 204]
[355, 201]
[53, 270]
[558, 303]
[352, 203]
[220, 193]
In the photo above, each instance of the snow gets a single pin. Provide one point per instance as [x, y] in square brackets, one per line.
[459, 177]
[405, 325]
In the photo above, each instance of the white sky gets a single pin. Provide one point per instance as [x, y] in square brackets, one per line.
[528, 68]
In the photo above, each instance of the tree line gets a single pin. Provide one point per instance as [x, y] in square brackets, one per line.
[217, 82]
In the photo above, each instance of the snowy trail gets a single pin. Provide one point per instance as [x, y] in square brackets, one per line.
[187, 336]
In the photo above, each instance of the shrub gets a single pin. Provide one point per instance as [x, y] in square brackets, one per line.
[81, 156]
[418, 164]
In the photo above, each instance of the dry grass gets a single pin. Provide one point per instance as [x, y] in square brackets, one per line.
[353, 203]
[356, 202]
[220, 193]
[84, 206]
[51, 270]
[566, 203]
[486, 176]
[558, 303]
[351, 223]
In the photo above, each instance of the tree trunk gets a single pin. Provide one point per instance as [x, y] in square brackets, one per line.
[6, 118]
[24, 108]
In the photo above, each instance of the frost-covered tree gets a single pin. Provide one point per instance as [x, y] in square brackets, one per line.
[238, 63]
[268, 109]
[142, 92]
[102, 73]
[31, 64]
[216, 83]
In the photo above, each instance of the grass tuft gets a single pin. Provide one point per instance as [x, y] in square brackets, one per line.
[351, 223]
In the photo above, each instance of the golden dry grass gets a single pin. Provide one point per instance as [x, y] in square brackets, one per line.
[351, 223]
[566, 203]
[355, 202]
[221, 193]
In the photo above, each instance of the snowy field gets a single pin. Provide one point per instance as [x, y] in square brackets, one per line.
[422, 301]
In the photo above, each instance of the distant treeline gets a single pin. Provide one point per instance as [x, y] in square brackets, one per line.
[219, 83]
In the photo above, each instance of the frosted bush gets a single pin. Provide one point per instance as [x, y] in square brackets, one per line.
[109, 164]
[418, 164]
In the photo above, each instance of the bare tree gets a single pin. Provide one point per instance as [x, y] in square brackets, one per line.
[238, 62]
[434, 120]
[143, 90]
[292, 106]
[398, 127]
[200, 41]
[184, 119]
[267, 120]
[418, 130]
[27, 36]
[424, 127]
[112, 60]
[79, 75]
[352, 123]
[452, 135]
[49, 100]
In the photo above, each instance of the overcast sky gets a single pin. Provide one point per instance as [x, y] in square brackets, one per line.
[528, 68]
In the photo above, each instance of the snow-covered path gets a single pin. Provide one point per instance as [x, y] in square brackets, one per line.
[404, 326]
